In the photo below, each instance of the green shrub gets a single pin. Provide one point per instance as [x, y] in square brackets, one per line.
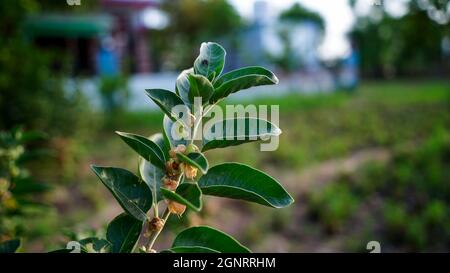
[33, 92]
[18, 189]
[407, 197]
[334, 205]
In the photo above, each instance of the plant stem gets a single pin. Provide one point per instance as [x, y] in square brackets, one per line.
[194, 131]
[155, 234]
[155, 199]
[197, 122]
[155, 209]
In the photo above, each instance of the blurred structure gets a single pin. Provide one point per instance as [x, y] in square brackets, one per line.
[76, 36]
[103, 42]
[131, 31]
[189, 23]
[288, 43]
[149, 40]
[348, 72]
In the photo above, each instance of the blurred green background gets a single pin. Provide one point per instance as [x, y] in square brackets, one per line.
[365, 148]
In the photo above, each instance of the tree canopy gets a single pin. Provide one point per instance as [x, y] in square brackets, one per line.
[409, 45]
[298, 13]
[190, 22]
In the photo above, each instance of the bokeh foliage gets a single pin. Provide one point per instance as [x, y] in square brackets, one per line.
[32, 89]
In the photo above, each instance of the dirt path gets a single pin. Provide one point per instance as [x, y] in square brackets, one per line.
[315, 176]
[234, 218]
[298, 183]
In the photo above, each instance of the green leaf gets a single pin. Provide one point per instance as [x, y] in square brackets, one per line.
[182, 85]
[145, 148]
[151, 174]
[34, 154]
[239, 181]
[166, 251]
[166, 100]
[191, 249]
[199, 86]
[166, 139]
[176, 137]
[133, 195]
[29, 136]
[9, 246]
[211, 60]
[95, 245]
[207, 237]
[195, 159]
[65, 250]
[188, 194]
[159, 139]
[239, 79]
[231, 132]
[26, 185]
[123, 233]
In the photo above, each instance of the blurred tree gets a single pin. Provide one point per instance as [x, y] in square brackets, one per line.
[190, 23]
[18, 189]
[114, 93]
[295, 15]
[298, 13]
[32, 94]
[409, 45]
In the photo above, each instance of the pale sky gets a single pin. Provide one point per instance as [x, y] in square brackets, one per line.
[337, 14]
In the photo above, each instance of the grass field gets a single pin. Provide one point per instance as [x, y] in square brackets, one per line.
[316, 129]
[319, 127]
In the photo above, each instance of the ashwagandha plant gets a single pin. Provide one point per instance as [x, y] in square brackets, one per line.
[174, 170]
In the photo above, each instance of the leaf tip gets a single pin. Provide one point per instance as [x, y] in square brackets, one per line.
[291, 201]
[277, 131]
[275, 79]
[95, 169]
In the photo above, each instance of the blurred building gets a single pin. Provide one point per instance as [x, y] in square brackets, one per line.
[105, 42]
[262, 42]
